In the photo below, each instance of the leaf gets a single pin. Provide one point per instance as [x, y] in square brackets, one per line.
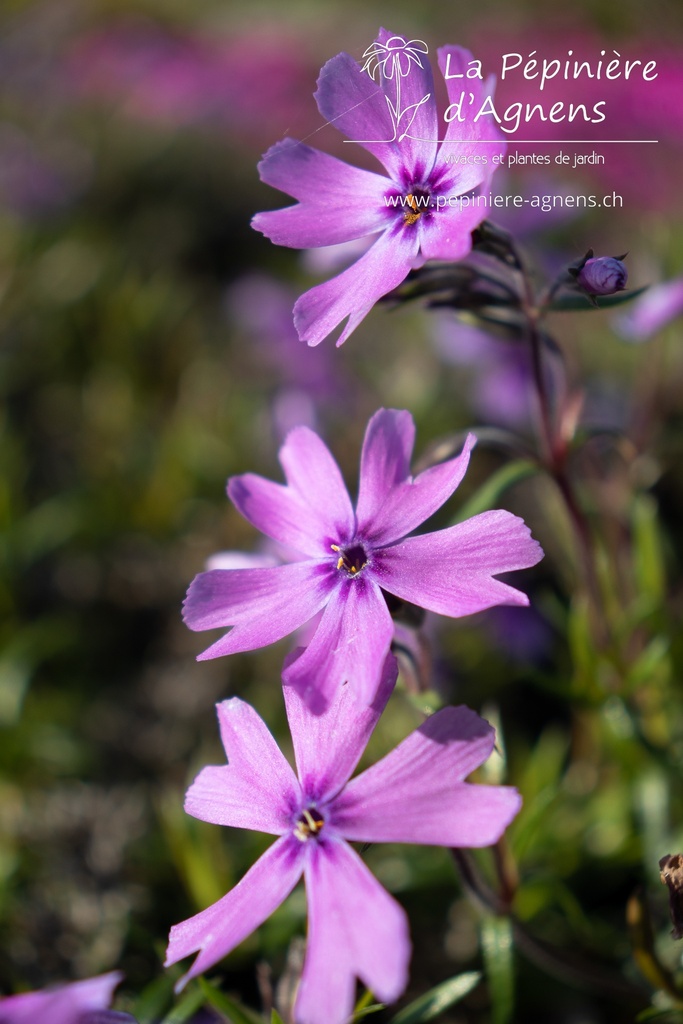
[275, 1017]
[653, 1013]
[582, 647]
[497, 947]
[581, 303]
[153, 999]
[652, 665]
[438, 999]
[367, 1010]
[489, 493]
[236, 1013]
[365, 1005]
[648, 555]
[186, 1008]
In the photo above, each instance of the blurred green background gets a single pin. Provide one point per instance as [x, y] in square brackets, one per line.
[147, 354]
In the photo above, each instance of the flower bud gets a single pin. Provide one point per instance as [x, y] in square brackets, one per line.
[602, 275]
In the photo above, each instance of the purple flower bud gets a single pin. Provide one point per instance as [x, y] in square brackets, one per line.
[603, 275]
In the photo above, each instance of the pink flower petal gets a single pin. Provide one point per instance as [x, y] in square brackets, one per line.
[257, 789]
[416, 794]
[451, 571]
[391, 503]
[349, 646]
[448, 234]
[349, 99]
[652, 311]
[65, 1004]
[355, 930]
[384, 462]
[453, 60]
[354, 292]
[338, 202]
[216, 931]
[328, 747]
[418, 129]
[314, 476]
[263, 605]
[281, 513]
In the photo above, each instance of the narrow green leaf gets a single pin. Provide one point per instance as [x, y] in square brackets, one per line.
[367, 1011]
[653, 664]
[488, 494]
[186, 1008]
[648, 555]
[275, 1017]
[365, 1006]
[581, 303]
[661, 1016]
[153, 1000]
[497, 947]
[438, 999]
[582, 647]
[237, 1013]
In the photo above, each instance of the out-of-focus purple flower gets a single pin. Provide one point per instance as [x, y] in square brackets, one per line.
[521, 633]
[652, 311]
[416, 794]
[262, 308]
[35, 182]
[501, 390]
[348, 558]
[248, 83]
[109, 1017]
[80, 1002]
[413, 209]
[603, 275]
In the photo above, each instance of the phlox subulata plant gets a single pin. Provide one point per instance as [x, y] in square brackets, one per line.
[460, 516]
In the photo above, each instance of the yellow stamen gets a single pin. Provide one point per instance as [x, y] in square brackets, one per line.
[313, 825]
[411, 218]
[308, 826]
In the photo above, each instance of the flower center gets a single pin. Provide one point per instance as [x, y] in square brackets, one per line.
[352, 558]
[416, 202]
[309, 823]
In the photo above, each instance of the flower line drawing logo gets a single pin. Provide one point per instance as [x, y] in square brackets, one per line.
[392, 60]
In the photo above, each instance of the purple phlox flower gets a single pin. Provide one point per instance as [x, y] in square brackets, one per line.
[79, 1002]
[348, 558]
[412, 211]
[416, 794]
[652, 311]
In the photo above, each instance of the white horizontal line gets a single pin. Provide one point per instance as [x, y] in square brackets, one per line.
[528, 142]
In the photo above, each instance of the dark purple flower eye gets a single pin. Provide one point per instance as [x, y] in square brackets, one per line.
[603, 275]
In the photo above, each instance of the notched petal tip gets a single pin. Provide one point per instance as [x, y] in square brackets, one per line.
[273, 153]
[192, 598]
